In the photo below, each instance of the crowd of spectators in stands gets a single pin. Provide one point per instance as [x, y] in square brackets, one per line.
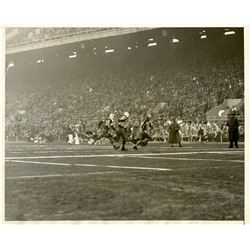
[164, 89]
[33, 35]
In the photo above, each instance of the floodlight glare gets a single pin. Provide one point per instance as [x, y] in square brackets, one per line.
[227, 33]
[152, 44]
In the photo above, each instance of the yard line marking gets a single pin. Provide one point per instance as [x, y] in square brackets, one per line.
[40, 162]
[128, 167]
[16, 152]
[122, 155]
[166, 147]
[57, 175]
[90, 165]
[42, 151]
[190, 159]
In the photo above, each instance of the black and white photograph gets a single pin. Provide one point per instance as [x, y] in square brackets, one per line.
[124, 124]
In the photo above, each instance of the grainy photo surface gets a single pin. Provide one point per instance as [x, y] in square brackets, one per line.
[125, 124]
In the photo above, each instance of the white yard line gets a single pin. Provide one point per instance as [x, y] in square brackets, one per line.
[90, 165]
[40, 162]
[43, 151]
[121, 155]
[56, 175]
[190, 159]
[129, 167]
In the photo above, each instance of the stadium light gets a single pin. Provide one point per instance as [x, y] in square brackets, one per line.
[175, 40]
[73, 56]
[152, 44]
[11, 64]
[129, 48]
[203, 36]
[40, 61]
[227, 33]
[109, 50]
[151, 39]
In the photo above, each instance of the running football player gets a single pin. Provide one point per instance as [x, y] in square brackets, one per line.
[106, 129]
[123, 130]
[145, 137]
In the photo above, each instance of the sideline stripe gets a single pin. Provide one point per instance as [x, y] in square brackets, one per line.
[90, 165]
[190, 159]
[56, 175]
[121, 155]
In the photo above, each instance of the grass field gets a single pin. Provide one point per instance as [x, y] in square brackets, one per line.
[157, 182]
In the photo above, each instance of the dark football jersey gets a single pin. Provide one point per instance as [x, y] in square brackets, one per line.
[123, 122]
[70, 129]
[146, 125]
[106, 124]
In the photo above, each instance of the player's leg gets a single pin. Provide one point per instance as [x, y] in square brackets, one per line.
[145, 139]
[236, 142]
[70, 139]
[138, 141]
[179, 138]
[118, 136]
[231, 143]
[124, 138]
[135, 142]
[112, 140]
[103, 133]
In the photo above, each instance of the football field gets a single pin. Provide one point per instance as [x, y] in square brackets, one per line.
[60, 182]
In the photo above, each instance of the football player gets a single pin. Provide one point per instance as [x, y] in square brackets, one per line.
[145, 137]
[123, 130]
[106, 129]
[70, 133]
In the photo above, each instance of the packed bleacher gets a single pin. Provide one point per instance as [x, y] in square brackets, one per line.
[26, 36]
[184, 87]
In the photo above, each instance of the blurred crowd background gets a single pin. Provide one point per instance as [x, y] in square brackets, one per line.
[184, 84]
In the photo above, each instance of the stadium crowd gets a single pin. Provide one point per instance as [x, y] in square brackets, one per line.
[184, 88]
[33, 35]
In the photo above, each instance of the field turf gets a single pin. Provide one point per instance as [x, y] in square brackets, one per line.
[60, 182]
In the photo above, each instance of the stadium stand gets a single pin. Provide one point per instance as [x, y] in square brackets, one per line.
[186, 82]
[33, 35]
